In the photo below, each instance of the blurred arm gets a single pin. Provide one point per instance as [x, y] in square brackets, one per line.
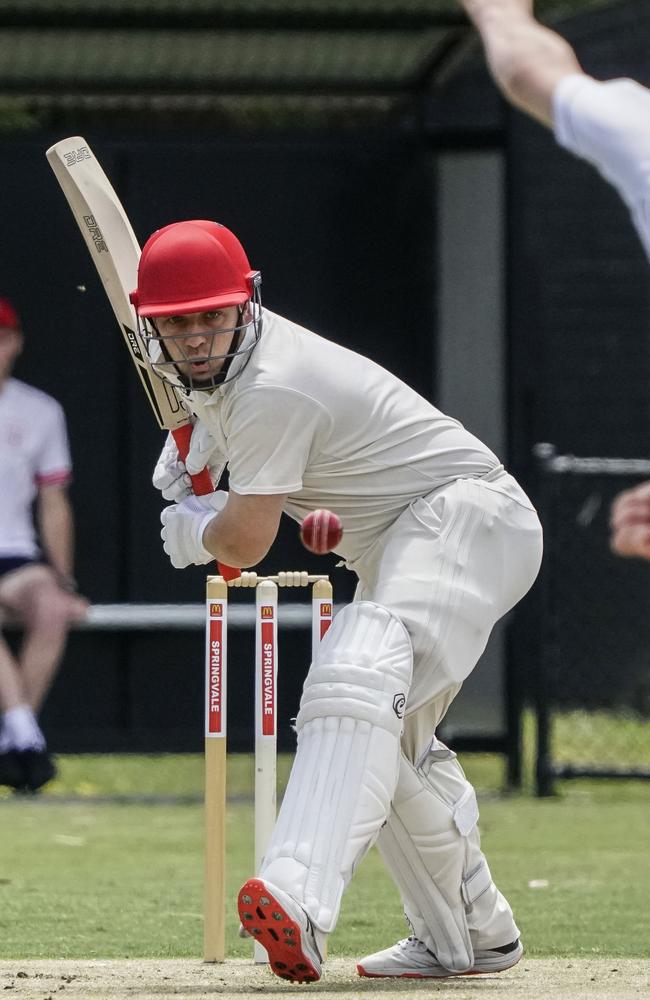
[56, 527]
[526, 59]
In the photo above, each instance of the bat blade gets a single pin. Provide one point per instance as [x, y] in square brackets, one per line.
[115, 252]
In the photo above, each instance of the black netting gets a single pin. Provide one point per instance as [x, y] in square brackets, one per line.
[594, 685]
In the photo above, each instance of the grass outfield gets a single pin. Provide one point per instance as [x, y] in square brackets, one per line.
[610, 739]
[93, 879]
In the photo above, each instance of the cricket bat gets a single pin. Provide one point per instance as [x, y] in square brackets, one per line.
[113, 247]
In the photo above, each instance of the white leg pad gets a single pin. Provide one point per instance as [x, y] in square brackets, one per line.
[430, 845]
[347, 761]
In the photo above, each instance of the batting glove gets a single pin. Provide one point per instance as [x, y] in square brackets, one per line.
[184, 524]
[171, 474]
[203, 451]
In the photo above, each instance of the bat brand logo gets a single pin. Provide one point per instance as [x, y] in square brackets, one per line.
[96, 234]
[266, 611]
[133, 341]
[77, 156]
[216, 610]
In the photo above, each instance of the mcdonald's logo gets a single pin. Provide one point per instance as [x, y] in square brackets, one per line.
[326, 609]
[266, 611]
[216, 610]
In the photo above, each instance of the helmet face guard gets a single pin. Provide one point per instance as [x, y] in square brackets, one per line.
[197, 267]
[166, 366]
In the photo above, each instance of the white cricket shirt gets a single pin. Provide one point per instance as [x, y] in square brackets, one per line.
[34, 452]
[608, 124]
[333, 429]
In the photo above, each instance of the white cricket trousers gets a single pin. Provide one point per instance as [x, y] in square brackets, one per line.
[453, 563]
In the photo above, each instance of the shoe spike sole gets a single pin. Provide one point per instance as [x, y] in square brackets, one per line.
[267, 921]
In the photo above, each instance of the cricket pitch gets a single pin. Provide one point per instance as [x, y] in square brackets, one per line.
[159, 979]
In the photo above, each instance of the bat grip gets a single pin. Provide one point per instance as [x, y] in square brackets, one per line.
[201, 484]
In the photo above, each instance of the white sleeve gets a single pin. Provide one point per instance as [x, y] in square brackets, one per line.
[271, 433]
[608, 124]
[53, 464]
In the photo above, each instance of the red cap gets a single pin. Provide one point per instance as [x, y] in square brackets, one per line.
[9, 319]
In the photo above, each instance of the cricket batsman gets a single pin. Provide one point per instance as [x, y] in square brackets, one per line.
[606, 123]
[443, 542]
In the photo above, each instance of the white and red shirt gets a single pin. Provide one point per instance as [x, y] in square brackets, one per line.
[333, 429]
[608, 124]
[34, 452]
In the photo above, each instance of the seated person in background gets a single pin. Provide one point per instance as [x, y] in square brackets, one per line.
[37, 590]
[606, 123]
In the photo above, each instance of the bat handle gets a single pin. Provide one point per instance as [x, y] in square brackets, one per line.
[201, 484]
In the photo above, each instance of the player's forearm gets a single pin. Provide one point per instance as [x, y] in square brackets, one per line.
[526, 59]
[56, 527]
[244, 531]
[230, 542]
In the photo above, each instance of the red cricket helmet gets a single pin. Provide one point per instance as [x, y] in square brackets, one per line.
[192, 266]
[195, 267]
[9, 319]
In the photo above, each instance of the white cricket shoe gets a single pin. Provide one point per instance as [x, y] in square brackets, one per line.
[411, 959]
[280, 924]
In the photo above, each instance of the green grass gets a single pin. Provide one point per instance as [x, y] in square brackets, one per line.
[611, 739]
[88, 879]
[579, 737]
[89, 776]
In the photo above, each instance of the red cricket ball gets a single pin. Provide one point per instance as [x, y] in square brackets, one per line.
[321, 531]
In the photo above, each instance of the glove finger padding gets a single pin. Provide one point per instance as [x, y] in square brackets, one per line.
[203, 452]
[177, 486]
[183, 527]
[170, 475]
